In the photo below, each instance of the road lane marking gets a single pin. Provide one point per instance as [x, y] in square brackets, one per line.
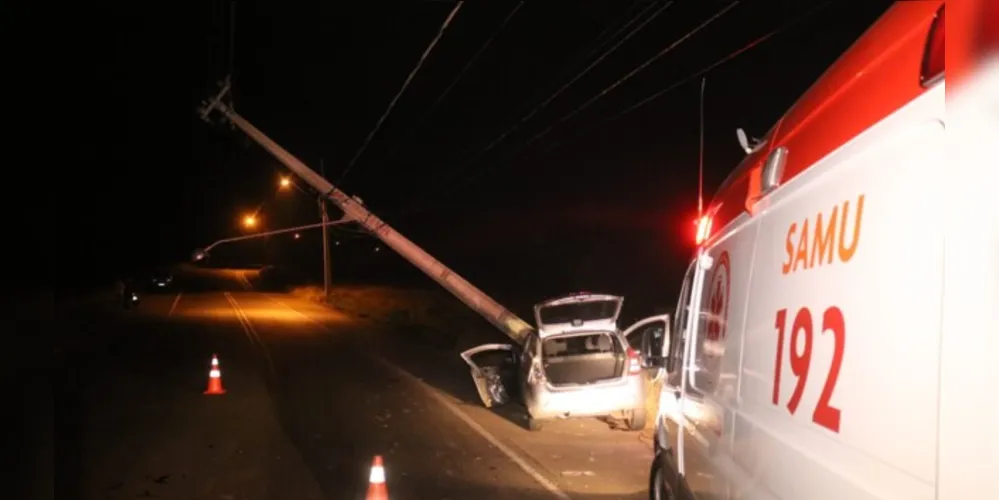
[488, 436]
[514, 457]
[251, 332]
[174, 305]
[246, 282]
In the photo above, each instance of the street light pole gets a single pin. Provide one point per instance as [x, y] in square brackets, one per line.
[202, 253]
[286, 183]
[326, 239]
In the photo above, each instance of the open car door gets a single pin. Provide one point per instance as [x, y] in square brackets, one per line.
[491, 367]
[651, 337]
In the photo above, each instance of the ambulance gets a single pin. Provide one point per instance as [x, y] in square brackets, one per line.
[844, 281]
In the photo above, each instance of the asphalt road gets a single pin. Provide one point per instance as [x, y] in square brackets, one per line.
[312, 395]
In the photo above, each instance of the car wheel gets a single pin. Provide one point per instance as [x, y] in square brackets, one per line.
[533, 424]
[636, 420]
[659, 488]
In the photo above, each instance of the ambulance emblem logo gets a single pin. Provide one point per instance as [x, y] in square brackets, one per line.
[720, 285]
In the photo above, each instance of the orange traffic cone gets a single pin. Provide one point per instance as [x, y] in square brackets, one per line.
[376, 483]
[215, 378]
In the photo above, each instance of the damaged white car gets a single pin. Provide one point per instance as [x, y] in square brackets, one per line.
[577, 363]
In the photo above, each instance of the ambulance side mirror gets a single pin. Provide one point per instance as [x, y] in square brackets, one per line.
[655, 345]
[748, 145]
[743, 140]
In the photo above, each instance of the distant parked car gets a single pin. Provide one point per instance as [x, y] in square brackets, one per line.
[577, 363]
[161, 280]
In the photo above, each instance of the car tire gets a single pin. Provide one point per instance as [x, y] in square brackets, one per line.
[636, 419]
[533, 424]
[659, 487]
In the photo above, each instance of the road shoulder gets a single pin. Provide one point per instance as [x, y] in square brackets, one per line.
[586, 458]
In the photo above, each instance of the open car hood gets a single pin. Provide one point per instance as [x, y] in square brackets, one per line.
[577, 313]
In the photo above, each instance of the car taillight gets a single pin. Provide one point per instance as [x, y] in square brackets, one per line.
[634, 362]
[933, 56]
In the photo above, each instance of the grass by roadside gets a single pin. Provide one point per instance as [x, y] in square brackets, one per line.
[433, 317]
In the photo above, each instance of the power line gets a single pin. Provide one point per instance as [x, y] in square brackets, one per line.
[630, 74]
[703, 71]
[579, 75]
[602, 39]
[599, 42]
[457, 78]
[546, 101]
[412, 73]
[606, 90]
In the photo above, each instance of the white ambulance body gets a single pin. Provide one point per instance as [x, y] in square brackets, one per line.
[840, 347]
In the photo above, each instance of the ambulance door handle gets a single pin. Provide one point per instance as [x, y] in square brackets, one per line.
[773, 170]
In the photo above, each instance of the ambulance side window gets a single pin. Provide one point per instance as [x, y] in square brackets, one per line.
[679, 329]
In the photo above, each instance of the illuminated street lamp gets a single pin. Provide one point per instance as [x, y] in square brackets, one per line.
[297, 236]
[285, 183]
[250, 221]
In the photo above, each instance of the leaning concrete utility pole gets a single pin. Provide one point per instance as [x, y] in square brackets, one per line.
[499, 316]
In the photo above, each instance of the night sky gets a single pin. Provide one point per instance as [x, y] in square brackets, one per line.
[573, 198]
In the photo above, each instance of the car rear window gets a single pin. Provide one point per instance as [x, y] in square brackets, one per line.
[582, 311]
[576, 345]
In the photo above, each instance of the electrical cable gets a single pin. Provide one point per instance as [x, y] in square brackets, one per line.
[601, 41]
[703, 71]
[548, 100]
[598, 43]
[630, 74]
[603, 92]
[454, 82]
[412, 74]
[576, 78]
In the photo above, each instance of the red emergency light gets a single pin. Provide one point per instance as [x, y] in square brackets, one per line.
[703, 229]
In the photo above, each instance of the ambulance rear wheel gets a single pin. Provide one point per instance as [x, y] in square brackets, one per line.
[659, 488]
